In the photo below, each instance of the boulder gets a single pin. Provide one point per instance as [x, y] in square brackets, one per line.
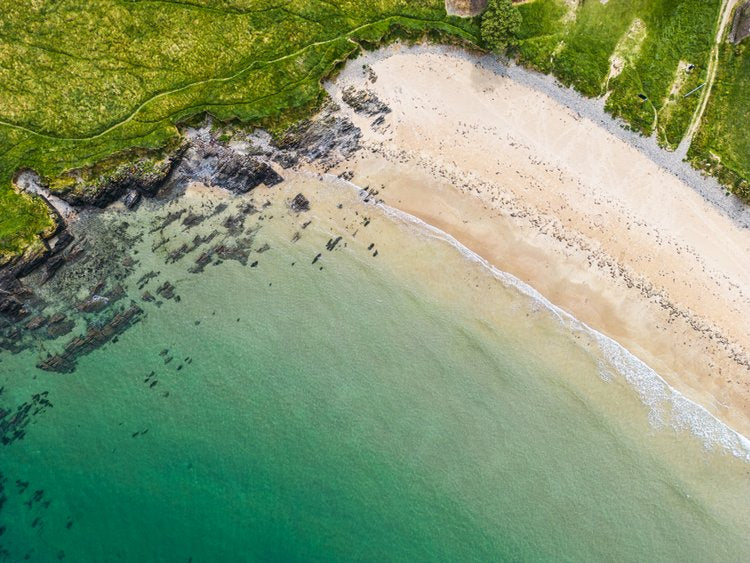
[300, 204]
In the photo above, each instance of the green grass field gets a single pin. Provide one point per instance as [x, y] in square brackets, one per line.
[722, 144]
[650, 38]
[80, 81]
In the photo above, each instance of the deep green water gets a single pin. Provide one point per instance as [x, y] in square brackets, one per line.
[407, 406]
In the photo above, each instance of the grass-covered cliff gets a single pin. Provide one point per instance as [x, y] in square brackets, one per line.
[81, 80]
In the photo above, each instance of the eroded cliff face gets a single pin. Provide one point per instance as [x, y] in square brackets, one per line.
[465, 7]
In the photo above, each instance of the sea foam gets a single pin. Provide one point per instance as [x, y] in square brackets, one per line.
[667, 406]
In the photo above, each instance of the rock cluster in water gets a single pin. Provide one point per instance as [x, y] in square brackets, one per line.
[100, 260]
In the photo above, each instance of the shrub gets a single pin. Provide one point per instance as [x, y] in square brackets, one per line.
[501, 23]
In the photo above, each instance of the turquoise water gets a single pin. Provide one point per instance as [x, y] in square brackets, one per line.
[404, 406]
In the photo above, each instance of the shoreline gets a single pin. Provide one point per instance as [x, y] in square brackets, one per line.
[548, 195]
[654, 390]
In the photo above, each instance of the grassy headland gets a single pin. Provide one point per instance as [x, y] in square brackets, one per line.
[652, 60]
[80, 83]
[628, 50]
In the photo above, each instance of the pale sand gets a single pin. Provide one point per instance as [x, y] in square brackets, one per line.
[568, 207]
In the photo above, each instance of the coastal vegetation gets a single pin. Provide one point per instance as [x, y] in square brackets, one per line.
[79, 84]
[722, 144]
[644, 55]
[500, 25]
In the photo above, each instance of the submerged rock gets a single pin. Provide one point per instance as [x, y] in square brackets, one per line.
[59, 325]
[166, 290]
[95, 337]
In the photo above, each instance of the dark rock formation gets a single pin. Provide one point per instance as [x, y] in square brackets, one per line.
[37, 322]
[166, 290]
[327, 138]
[300, 204]
[132, 199]
[220, 166]
[52, 266]
[13, 294]
[241, 175]
[12, 297]
[59, 325]
[364, 102]
[99, 188]
[63, 241]
[31, 260]
[332, 243]
[93, 304]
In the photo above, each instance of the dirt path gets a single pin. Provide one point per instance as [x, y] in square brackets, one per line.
[350, 36]
[727, 9]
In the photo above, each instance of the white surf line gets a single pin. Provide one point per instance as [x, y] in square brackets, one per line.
[652, 388]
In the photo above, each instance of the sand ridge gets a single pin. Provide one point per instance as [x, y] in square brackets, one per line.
[552, 196]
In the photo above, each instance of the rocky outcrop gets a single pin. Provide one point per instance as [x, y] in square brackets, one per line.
[217, 165]
[328, 139]
[300, 204]
[465, 8]
[13, 294]
[107, 182]
[741, 24]
[132, 199]
[364, 102]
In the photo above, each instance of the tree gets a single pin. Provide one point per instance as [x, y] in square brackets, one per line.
[501, 22]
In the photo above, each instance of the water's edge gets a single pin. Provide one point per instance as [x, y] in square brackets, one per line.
[652, 388]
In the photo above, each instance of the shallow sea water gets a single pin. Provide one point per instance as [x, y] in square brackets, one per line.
[411, 405]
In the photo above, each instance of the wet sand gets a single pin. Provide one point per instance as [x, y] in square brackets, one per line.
[550, 194]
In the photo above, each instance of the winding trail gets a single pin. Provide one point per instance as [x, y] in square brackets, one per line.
[252, 66]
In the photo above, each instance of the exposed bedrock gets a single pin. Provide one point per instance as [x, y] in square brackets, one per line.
[465, 8]
[364, 102]
[218, 165]
[143, 176]
[327, 138]
[14, 296]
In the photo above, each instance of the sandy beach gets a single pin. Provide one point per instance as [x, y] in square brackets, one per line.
[556, 194]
